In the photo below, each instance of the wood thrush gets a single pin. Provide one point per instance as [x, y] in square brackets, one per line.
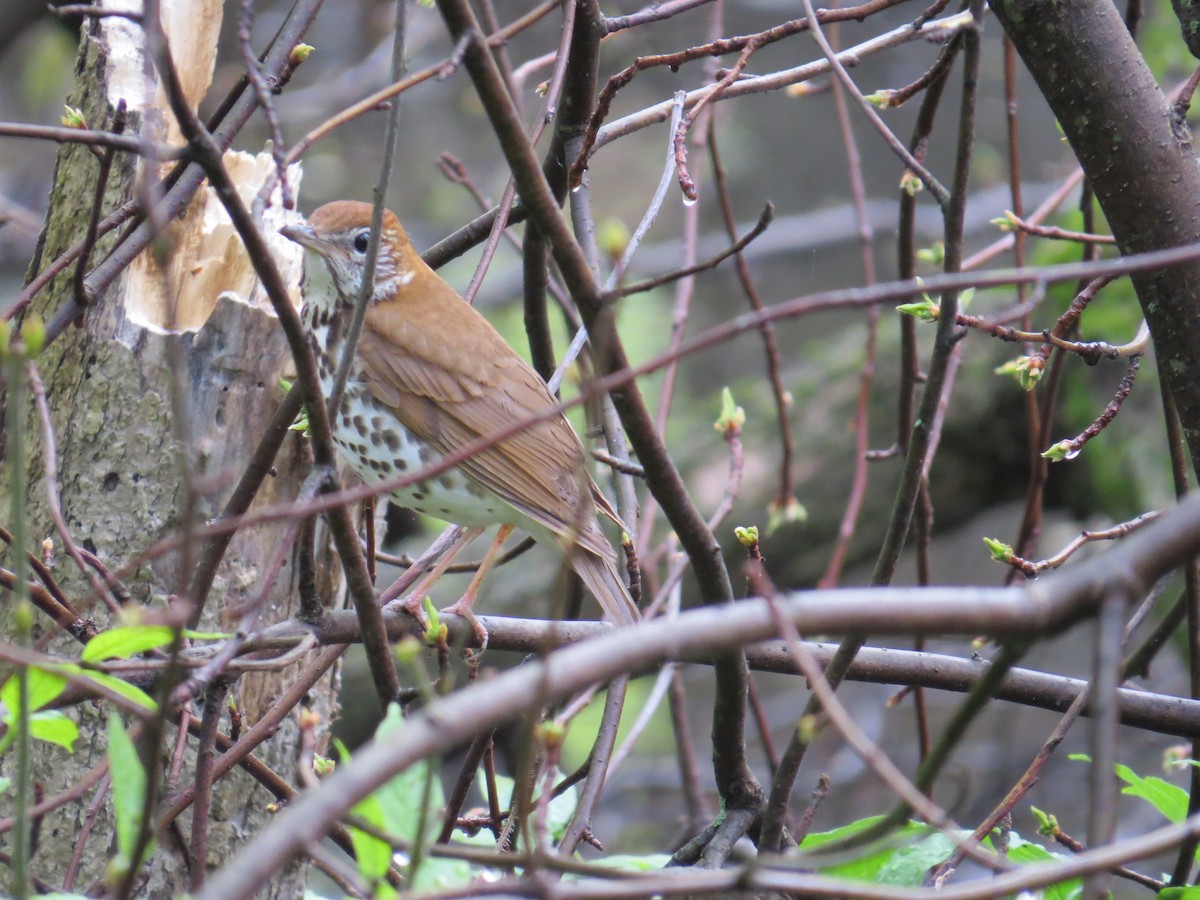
[430, 375]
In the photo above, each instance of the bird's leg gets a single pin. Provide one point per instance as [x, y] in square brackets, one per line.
[414, 603]
[462, 607]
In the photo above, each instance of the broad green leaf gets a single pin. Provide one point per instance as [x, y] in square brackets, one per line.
[54, 727]
[867, 866]
[400, 798]
[128, 787]
[119, 686]
[1168, 799]
[1179, 893]
[1026, 852]
[44, 687]
[373, 855]
[125, 641]
[400, 803]
[909, 866]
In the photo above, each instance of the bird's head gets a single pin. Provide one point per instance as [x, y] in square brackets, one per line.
[339, 233]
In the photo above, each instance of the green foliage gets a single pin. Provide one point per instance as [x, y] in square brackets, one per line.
[373, 855]
[51, 726]
[1168, 799]
[125, 641]
[407, 808]
[128, 794]
[913, 851]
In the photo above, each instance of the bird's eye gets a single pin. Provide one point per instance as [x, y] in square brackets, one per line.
[361, 240]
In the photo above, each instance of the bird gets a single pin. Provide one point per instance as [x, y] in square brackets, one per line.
[430, 375]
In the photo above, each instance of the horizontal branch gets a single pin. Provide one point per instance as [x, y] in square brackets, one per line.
[1040, 608]
[63, 135]
[1162, 713]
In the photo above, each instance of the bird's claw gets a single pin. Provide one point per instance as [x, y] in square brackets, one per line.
[462, 608]
[414, 605]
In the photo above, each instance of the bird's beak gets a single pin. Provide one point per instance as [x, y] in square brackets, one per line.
[305, 236]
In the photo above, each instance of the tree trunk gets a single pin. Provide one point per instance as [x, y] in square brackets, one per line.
[1137, 157]
[176, 366]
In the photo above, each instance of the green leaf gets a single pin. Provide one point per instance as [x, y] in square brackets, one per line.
[400, 798]
[125, 641]
[1180, 893]
[54, 727]
[908, 866]
[111, 682]
[128, 788]
[867, 866]
[1168, 799]
[1025, 852]
[373, 855]
[206, 635]
[44, 687]
[399, 810]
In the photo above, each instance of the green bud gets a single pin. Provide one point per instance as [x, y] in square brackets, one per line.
[33, 334]
[748, 535]
[935, 254]
[299, 54]
[806, 729]
[1001, 552]
[925, 310]
[73, 117]
[551, 733]
[882, 99]
[1047, 824]
[613, 237]
[1027, 369]
[22, 617]
[910, 183]
[322, 765]
[784, 513]
[1030, 376]
[408, 650]
[1060, 451]
[732, 417]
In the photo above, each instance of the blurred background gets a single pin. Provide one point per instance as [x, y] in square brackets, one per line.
[777, 148]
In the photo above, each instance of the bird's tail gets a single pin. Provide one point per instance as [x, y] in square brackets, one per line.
[599, 573]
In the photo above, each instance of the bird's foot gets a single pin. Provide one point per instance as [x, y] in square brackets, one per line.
[414, 605]
[462, 607]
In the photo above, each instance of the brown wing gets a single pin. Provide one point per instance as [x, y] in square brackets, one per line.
[458, 381]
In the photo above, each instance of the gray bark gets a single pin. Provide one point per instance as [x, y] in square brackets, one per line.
[121, 438]
[1137, 157]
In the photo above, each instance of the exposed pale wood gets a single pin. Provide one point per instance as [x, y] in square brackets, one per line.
[199, 319]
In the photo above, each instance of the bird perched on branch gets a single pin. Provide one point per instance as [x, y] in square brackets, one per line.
[430, 375]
